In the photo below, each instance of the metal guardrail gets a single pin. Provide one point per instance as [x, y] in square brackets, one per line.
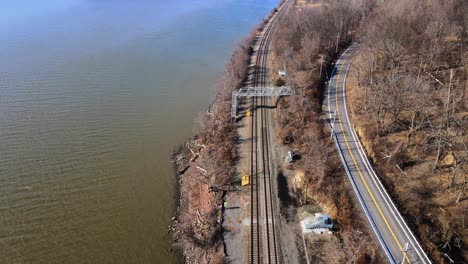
[375, 179]
[353, 183]
[421, 254]
[361, 201]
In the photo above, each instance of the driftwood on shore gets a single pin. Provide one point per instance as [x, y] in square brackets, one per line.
[208, 161]
[186, 154]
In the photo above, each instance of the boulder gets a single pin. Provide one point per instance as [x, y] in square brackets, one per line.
[448, 160]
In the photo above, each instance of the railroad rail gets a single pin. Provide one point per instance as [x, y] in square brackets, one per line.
[264, 246]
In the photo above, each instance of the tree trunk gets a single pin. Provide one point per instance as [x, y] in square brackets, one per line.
[439, 147]
[461, 193]
[447, 109]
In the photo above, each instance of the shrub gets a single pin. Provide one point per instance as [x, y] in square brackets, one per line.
[279, 82]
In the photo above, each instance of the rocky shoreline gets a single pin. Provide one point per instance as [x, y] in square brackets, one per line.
[205, 165]
[188, 243]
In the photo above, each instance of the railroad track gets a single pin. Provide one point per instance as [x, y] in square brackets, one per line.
[264, 246]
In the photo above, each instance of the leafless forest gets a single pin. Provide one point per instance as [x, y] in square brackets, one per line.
[308, 40]
[409, 104]
[212, 158]
[410, 101]
[409, 87]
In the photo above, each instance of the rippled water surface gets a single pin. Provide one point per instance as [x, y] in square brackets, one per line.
[94, 95]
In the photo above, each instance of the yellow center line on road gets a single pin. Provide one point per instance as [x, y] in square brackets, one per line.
[359, 170]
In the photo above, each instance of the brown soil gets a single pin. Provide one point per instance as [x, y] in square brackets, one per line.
[196, 203]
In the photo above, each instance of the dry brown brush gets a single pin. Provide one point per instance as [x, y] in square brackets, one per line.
[411, 107]
[212, 161]
[212, 167]
[307, 41]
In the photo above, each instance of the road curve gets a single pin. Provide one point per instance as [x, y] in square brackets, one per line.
[389, 227]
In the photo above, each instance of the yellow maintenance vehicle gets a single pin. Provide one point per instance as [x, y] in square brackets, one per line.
[248, 114]
[245, 179]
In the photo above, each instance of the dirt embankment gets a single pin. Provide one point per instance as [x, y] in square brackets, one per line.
[205, 166]
[195, 227]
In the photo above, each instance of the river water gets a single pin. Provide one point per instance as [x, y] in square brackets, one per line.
[94, 95]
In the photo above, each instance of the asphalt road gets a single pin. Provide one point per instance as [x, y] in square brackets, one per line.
[390, 229]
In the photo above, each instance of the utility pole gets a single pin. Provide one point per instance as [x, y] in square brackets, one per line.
[404, 253]
[339, 35]
[332, 126]
[321, 65]
[334, 119]
[448, 97]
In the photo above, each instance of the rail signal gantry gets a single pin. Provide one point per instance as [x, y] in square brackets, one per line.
[257, 91]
